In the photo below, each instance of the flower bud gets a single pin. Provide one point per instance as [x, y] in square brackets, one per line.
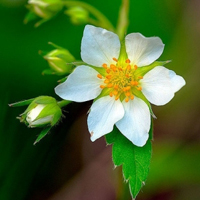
[45, 8]
[42, 111]
[78, 15]
[59, 61]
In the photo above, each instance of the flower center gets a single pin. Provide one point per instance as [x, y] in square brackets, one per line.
[121, 80]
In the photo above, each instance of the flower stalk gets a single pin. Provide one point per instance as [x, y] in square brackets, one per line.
[123, 21]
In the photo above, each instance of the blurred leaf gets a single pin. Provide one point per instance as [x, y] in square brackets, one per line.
[135, 160]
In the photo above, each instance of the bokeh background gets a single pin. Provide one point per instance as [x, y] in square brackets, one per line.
[65, 164]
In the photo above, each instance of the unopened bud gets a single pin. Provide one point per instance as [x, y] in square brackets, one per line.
[42, 111]
[78, 15]
[44, 9]
[59, 61]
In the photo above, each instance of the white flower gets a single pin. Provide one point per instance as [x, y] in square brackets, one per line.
[116, 82]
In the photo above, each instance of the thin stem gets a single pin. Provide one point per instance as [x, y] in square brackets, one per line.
[123, 21]
[103, 21]
[63, 103]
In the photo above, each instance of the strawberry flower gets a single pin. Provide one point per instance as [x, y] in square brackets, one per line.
[123, 79]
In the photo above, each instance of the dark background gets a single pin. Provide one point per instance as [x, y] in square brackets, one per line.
[65, 164]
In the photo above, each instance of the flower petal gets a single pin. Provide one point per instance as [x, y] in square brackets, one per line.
[160, 84]
[105, 112]
[99, 46]
[135, 124]
[143, 51]
[81, 85]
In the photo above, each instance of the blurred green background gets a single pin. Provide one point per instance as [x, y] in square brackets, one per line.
[65, 164]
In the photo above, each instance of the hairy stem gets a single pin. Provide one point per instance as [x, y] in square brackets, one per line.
[63, 103]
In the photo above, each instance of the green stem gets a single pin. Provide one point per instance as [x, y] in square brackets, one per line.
[103, 21]
[123, 21]
[63, 103]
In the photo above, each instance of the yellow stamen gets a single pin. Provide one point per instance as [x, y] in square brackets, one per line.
[99, 76]
[139, 88]
[108, 76]
[102, 86]
[132, 97]
[127, 100]
[140, 77]
[116, 86]
[115, 92]
[106, 81]
[109, 85]
[111, 94]
[128, 94]
[115, 59]
[135, 67]
[104, 65]
[116, 98]
[127, 61]
[128, 67]
[108, 71]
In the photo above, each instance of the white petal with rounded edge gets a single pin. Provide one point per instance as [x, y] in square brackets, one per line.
[104, 113]
[143, 51]
[99, 46]
[81, 85]
[135, 124]
[160, 84]
[177, 81]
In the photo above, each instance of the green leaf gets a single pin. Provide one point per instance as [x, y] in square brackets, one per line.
[42, 134]
[135, 160]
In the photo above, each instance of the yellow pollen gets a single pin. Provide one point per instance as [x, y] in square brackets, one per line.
[132, 97]
[116, 98]
[115, 92]
[109, 85]
[132, 82]
[104, 65]
[115, 59]
[106, 81]
[116, 86]
[128, 67]
[102, 86]
[99, 76]
[108, 71]
[127, 99]
[120, 80]
[108, 76]
[135, 67]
